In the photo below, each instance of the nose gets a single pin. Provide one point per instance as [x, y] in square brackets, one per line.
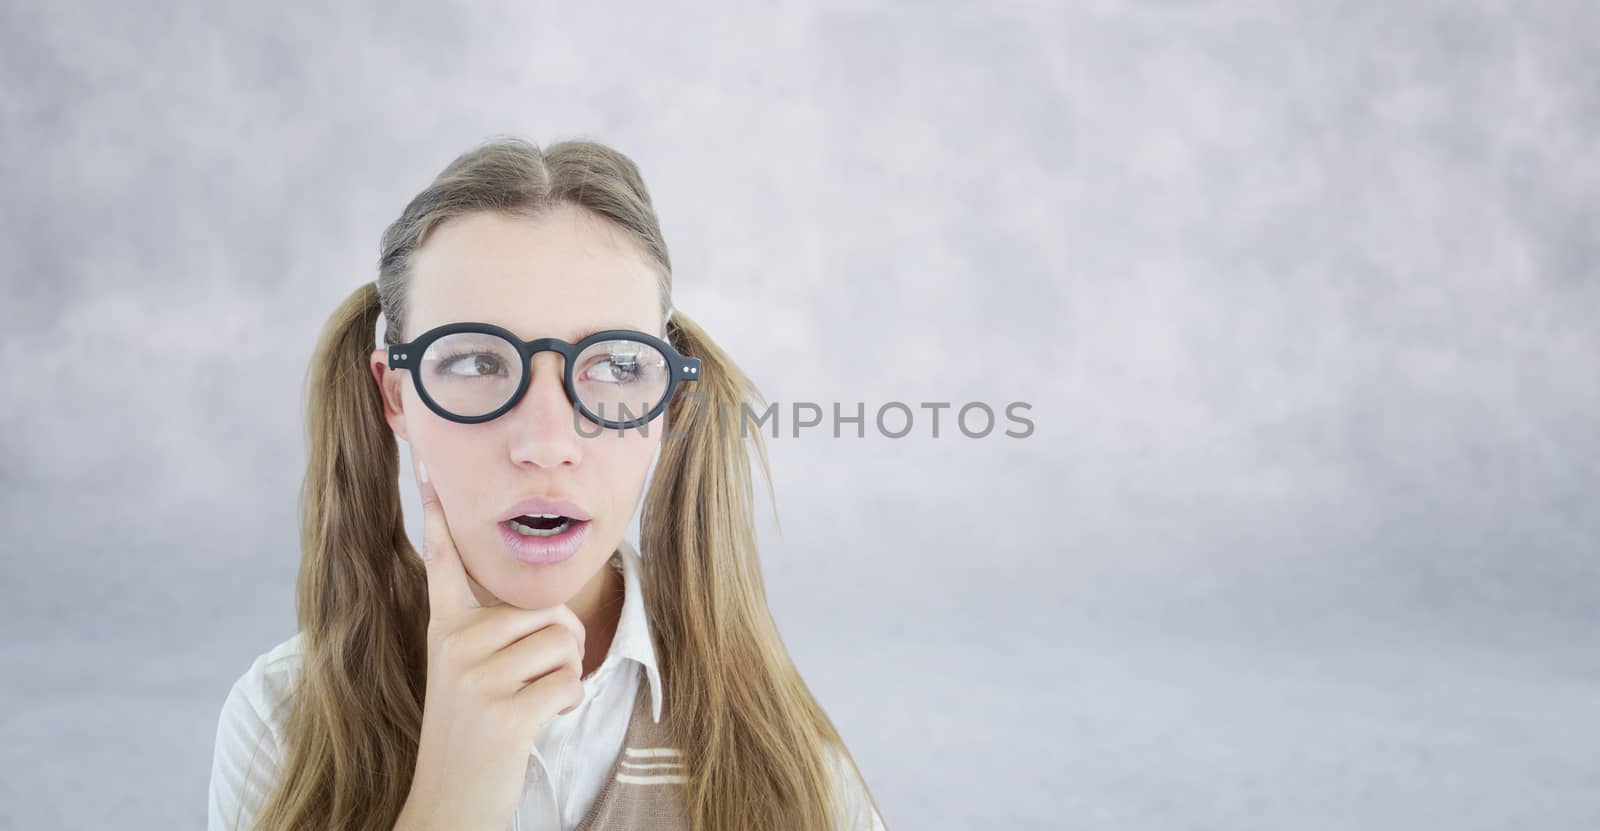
[542, 429]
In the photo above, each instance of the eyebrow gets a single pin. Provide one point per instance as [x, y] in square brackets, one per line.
[593, 329]
[583, 333]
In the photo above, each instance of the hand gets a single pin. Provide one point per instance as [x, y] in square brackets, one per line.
[496, 675]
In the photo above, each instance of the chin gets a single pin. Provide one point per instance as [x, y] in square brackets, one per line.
[541, 586]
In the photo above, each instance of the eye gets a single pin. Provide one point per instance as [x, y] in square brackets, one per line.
[618, 368]
[472, 364]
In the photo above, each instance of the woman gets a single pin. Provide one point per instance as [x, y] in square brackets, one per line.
[530, 669]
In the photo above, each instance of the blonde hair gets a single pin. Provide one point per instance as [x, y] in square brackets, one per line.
[756, 740]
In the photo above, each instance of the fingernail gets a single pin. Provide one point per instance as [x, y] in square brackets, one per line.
[422, 470]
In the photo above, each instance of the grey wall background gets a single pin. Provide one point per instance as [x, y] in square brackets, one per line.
[1303, 295]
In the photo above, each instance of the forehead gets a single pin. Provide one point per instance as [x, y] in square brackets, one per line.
[563, 275]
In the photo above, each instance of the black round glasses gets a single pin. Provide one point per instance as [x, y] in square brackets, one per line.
[474, 372]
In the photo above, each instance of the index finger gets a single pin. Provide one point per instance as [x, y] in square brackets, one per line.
[449, 596]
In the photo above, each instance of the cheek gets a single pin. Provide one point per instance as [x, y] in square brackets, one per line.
[446, 446]
[621, 462]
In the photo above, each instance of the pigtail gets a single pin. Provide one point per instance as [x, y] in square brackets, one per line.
[361, 600]
[762, 748]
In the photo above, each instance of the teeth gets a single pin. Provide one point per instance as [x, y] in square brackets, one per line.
[538, 532]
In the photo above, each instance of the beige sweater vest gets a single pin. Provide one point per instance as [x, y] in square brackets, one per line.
[644, 788]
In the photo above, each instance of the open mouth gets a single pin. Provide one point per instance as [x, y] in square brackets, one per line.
[542, 525]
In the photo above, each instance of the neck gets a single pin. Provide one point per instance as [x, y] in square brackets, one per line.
[599, 606]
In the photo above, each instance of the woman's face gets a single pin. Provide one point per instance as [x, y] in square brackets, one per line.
[565, 275]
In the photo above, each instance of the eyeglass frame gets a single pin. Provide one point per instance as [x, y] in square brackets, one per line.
[682, 368]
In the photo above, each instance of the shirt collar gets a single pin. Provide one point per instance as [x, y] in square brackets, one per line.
[632, 639]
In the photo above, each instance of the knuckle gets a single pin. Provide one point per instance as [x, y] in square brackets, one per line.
[573, 620]
[558, 684]
[566, 681]
[572, 689]
[561, 641]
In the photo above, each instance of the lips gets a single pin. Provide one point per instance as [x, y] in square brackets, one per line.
[551, 541]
